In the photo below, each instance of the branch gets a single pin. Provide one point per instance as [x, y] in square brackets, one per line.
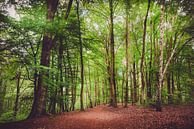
[68, 9]
[173, 52]
[169, 59]
[186, 42]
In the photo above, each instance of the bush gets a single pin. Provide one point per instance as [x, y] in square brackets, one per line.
[7, 116]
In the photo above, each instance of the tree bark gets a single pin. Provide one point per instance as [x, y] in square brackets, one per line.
[81, 58]
[134, 83]
[53, 95]
[150, 74]
[122, 86]
[16, 104]
[113, 100]
[60, 69]
[143, 56]
[127, 61]
[161, 75]
[3, 88]
[39, 104]
[90, 86]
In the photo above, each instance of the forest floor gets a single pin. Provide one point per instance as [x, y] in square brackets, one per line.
[104, 117]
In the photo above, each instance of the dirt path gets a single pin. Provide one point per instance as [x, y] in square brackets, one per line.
[103, 117]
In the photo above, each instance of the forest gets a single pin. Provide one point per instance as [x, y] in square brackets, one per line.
[96, 64]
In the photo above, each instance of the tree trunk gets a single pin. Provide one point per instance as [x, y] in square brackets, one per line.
[134, 83]
[168, 78]
[103, 93]
[127, 60]
[81, 58]
[90, 86]
[168, 75]
[122, 90]
[161, 75]
[150, 75]
[75, 89]
[39, 104]
[53, 95]
[95, 92]
[143, 56]
[113, 101]
[60, 69]
[16, 104]
[3, 88]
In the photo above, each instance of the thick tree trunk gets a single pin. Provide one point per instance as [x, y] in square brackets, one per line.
[39, 104]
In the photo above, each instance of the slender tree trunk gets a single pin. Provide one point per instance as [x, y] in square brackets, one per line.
[70, 77]
[143, 56]
[103, 93]
[168, 79]
[75, 89]
[3, 88]
[87, 91]
[161, 75]
[179, 95]
[52, 106]
[131, 87]
[172, 81]
[90, 86]
[81, 58]
[134, 83]
[150, 75]
[122, 90]
[99, 95]
[95, 92]
[127, 61]
[168, 75]
[113, 100]
[60, 60]
[16, 104]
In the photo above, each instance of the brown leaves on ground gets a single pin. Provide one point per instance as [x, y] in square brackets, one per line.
[104, 117]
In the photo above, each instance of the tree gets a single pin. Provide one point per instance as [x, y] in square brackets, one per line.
[39, 105]
[143, 54]
[113, 101]
[81, 57]
[127, 59]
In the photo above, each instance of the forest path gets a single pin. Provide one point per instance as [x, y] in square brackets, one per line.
[104, 117]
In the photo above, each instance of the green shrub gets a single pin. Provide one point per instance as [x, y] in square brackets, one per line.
[7, 116]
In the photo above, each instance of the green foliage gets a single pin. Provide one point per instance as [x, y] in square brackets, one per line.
[21, 47]
[7, 116]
